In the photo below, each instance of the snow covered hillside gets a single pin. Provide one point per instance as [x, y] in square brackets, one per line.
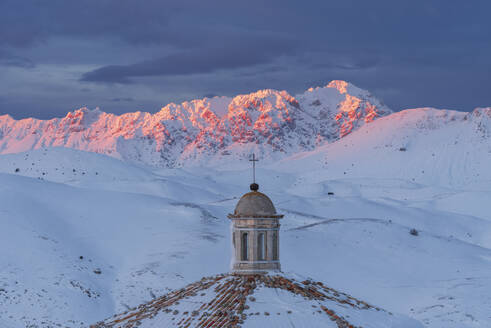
[271, 123]
[93, 236]
[423, 145]
[84, 236]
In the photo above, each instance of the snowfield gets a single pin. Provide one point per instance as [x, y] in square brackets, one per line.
[84, 236]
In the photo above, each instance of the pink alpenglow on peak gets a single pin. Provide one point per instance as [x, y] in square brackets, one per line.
[341, 86]
[271, 123]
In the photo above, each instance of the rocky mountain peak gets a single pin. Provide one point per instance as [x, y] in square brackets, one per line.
[270, 122]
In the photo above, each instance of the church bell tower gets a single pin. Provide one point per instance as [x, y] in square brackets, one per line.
[256, 228]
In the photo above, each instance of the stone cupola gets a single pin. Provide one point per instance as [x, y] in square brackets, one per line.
[255, 234]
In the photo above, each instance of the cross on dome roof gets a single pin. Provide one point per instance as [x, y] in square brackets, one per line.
[254, 186]
[255, 204]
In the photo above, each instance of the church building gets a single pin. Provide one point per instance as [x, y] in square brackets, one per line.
[255, 235]
[255, 293]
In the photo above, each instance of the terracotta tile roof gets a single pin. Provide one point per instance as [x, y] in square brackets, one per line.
[223, 301]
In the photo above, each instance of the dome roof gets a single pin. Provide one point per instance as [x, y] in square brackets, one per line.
[257, 301]
[255, 204]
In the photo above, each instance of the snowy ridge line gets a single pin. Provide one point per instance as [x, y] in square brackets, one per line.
[205, 214]
[271, 123]
[327, 221]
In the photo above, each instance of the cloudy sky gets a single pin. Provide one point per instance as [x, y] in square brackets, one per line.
[127, 55]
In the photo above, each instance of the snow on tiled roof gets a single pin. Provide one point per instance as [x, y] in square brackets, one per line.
[229, 300]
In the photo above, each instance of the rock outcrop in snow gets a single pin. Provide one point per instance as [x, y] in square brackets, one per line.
[272, 123]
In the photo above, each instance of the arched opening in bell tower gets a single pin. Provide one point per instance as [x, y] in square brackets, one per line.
[260, 247]
[275, 246]
[245, 246]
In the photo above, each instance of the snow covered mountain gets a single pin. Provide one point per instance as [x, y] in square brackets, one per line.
[271, 123]
[84, 236]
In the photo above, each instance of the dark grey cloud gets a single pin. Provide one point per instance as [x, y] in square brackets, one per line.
[8, 59]
[26, 22]
[231, 54]
[207, 95]
[342, 62]
[124, 99]
[56, 55]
